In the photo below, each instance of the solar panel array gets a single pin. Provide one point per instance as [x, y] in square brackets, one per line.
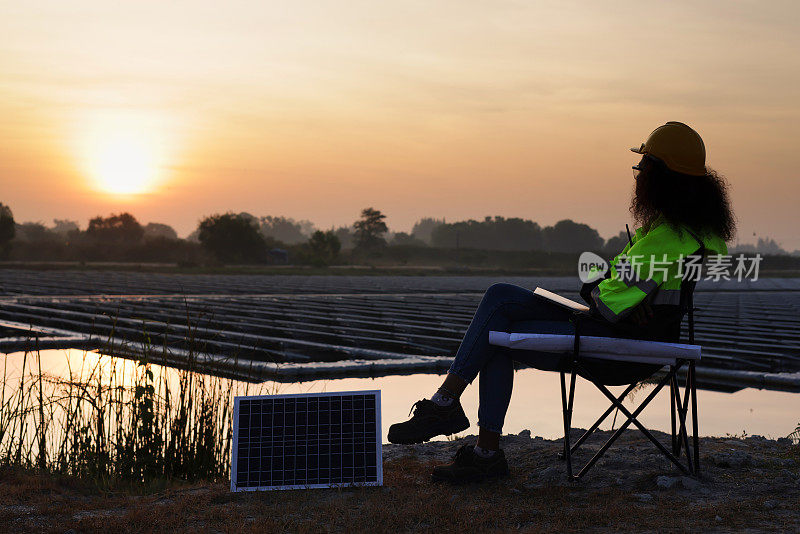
[311, 440]
[326, 326]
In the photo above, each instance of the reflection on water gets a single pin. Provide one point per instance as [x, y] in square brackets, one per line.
[84, 366]
[115, 420]
[535, 404]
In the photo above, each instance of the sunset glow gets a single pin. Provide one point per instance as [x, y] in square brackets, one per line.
[123, 166]
[123, 155]
[315, 110]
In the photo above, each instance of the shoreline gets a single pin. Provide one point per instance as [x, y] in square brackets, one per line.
[746, 483]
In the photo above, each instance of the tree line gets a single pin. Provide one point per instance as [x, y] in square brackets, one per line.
[241, 238]
[228, 238]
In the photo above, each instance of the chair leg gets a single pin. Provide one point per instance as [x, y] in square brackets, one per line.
[631, 418]
[567, 415]
[672, 385]
[679, 410]
[683, 429]
[683, 407]
[692, 383]
[602, 418]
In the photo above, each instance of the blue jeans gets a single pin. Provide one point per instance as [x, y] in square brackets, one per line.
[510, 308]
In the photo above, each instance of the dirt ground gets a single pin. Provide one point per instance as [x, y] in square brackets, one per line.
[746, 484]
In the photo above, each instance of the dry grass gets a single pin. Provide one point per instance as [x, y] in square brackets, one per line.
[408, 502]
[118, 423]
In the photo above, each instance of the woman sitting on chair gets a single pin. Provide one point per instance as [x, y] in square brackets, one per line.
[683, 209]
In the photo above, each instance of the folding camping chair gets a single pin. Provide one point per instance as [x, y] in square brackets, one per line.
[680, 404]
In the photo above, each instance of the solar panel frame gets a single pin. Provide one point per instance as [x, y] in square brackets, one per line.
[320, 398]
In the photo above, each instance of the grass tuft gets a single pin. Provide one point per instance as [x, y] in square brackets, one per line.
[117, 423]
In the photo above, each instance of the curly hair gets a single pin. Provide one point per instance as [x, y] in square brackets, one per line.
[700, 203]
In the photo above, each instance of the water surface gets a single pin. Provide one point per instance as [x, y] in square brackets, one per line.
[535, 404]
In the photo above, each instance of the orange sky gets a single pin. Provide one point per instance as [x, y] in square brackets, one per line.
[461, 109]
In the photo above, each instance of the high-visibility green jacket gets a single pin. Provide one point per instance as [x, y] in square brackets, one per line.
[652, 267]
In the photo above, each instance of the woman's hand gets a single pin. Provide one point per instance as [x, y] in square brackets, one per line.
[642, 313]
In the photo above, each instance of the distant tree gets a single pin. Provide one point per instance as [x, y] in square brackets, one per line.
[324, 246]
[424, 227]
[615, 244]
[252, 219]
[402, 238]
[122, 228]
[345, 236]
[7, 230]
[569, 236]
[233, 238]
[194, 236]
[370, 229]
[763, 246]
[496, 233]
[64, 226]
[33, 232]
[769, 246]
[285, 229]
[159, 230]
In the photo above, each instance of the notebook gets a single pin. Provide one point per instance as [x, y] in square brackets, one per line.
[561, 301]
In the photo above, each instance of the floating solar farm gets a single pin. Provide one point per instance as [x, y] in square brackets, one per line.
[294, 327]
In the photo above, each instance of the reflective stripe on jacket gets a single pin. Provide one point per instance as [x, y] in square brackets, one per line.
[650, 268]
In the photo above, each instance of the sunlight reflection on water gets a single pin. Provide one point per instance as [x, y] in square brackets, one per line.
[535, 404]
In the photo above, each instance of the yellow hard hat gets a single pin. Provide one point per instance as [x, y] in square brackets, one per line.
[678, 146]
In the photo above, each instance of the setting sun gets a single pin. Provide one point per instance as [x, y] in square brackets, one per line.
[123, 154]
[123, 166]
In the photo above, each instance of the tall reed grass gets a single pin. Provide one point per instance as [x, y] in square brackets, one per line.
[795, 436]
[118, 421]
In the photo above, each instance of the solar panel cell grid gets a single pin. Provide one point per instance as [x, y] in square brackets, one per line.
[311, 440]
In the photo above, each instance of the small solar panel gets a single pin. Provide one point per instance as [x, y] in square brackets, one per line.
[308, 440]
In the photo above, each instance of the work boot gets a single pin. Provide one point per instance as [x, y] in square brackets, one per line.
[469, 467]
[429, 420]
